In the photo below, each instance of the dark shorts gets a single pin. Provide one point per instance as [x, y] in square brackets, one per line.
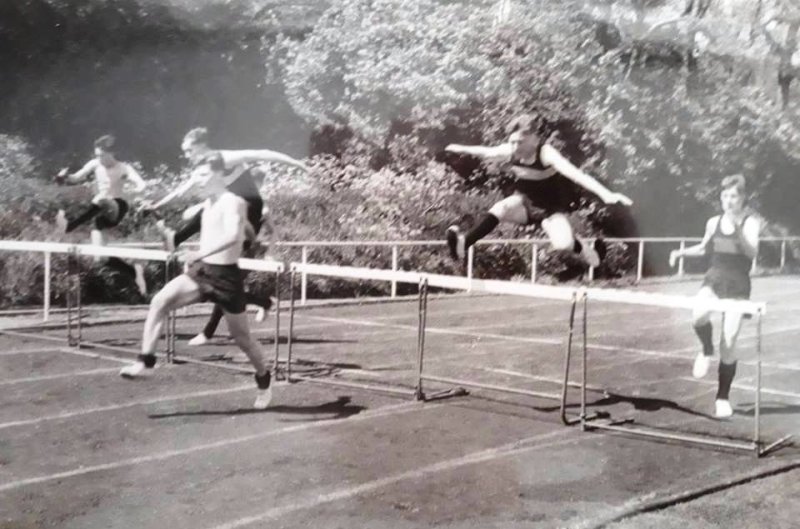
[109, 218]
[727, 284]
[544, 198]
[220, 284]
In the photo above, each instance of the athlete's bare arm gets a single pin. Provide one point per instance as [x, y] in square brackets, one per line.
[81, 175]
[551, 157]
[239, 157]
[135, 177]
[748, 235]
[700, 249]
[495, 152]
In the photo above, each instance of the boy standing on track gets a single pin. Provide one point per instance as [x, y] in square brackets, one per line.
[212, 274]
[545, 181]
[732, 240]
[108, 206]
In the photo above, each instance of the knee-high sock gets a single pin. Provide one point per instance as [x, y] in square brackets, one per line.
[705, 332]
[480, 230]
[115, 263]
[213, 322]
[726, 374]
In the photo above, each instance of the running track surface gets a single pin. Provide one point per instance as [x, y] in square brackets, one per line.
[81, 448]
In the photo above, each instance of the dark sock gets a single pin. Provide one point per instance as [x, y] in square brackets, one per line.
[149, 360]
[187, 230]
[481, 229]
[704, 332]
[726, 374]
[262, 301]
[264, 380]
[213, 322]
[84, 217]
[577, 247]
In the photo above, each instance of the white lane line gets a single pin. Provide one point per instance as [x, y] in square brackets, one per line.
[44, 378]
[129, 404]
[162, 456]
[30, 351]
[746, 387]
[499, 452]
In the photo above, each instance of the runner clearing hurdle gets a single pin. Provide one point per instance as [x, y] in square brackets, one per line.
[732, 239]
[212, 274]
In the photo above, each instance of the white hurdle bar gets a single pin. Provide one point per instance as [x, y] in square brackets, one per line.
[74, 251]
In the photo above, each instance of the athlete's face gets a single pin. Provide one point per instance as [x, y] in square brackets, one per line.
[523, 145]
[732, 200]
[210, 183]
[104, 157]
[193, 151]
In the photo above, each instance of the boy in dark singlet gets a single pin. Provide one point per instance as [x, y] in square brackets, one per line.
[108, 206]
[545, 181]
[731, 241]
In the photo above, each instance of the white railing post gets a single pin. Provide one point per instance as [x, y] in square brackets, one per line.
[303, 276]
[640, 261]
[783, 254]
[46, 298]
[680, 260]
[394, 269]
[534, 261]
[470, 263]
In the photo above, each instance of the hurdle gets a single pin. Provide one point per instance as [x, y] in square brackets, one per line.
[74, 314]
[757, 310]
[425, 281]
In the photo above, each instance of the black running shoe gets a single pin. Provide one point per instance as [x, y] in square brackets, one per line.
[452, 241]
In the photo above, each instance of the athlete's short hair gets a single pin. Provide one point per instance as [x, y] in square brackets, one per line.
[213, 160]
[526, 124]
[735, 181]
[105, 143]
[197, 135]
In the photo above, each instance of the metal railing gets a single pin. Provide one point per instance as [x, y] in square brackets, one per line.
[306, 247]
[535, 245]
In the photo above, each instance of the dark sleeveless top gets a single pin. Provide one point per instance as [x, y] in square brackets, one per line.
[729, 267]
[553, 194]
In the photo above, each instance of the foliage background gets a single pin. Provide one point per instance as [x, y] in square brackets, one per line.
[658, 98]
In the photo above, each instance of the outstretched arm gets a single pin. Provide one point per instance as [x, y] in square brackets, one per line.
[698, 250]
[550, 156]
[80, 175]
[233, 158]
[501, 151]
[748, 235]
[135, 177]
[175, 193]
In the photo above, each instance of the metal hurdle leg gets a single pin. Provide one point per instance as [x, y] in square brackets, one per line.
[757, 444]
[70, 271]
[275, 364]
[567, 421]
[170, 329]
[419, 394]
[290, 337]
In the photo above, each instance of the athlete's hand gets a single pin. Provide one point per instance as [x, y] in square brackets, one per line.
[674, 255]
[61, 177]
[146, 205]
[189, 257]
[453, 147]
[617, 198]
